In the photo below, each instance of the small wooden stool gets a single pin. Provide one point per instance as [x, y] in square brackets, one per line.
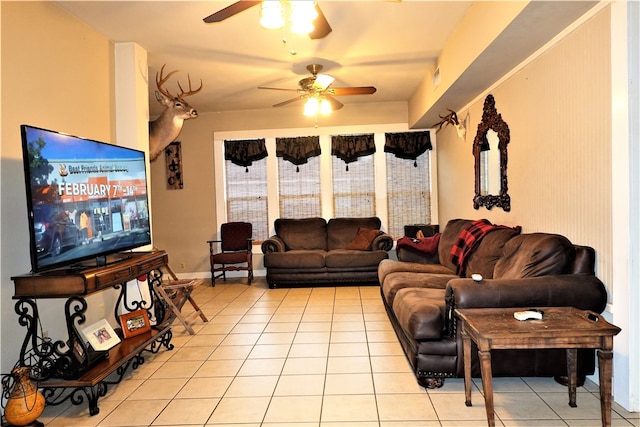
[176, 292]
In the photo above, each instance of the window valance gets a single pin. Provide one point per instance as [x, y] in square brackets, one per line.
[350, 147]
[298, 150]
[245, 152]
[407, 145]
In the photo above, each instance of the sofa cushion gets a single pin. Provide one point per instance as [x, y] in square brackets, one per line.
[396, 281]
[364, 238]
[448, 239]
[491, 248]
[295, 259]
[407, 255]
[387, 267]
[536, 254]
[420, 312]
[342, 258]
[305, 233]
[341, 231]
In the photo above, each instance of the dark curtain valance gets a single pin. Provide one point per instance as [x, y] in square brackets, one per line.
[298, 150]
[350, 147]
[407, 145]
[245, 152]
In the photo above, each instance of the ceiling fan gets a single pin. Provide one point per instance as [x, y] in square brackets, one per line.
[317, 87]
[321, 27]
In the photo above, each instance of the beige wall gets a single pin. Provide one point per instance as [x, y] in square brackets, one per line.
[56, 74]
[558, 108]
[183, 220]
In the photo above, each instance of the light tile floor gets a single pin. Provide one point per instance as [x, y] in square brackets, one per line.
[310, 357]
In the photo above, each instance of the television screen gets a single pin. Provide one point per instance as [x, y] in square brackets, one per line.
[85, 199]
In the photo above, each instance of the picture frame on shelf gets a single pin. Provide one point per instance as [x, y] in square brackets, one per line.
[101, 335]
[135, 323]
[77, 350]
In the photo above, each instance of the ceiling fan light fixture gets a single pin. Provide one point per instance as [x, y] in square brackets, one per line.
[303, 13]
[323, 81]
[325, 107]
[311, 107]
[271, 14]
[301, 27]
[303, 10]
[317, 105]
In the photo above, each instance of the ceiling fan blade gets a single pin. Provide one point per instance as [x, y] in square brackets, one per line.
[335, 104]
[230, 10]
[277, 88]
[289, 101]
[321, 27]
[362, 90]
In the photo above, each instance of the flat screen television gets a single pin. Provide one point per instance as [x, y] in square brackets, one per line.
[85, 199]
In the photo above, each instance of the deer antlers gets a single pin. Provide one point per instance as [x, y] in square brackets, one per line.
[449, 119]
[161, 80]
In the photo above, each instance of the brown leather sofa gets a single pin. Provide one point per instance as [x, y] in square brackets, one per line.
[312, 251]
[519, 270]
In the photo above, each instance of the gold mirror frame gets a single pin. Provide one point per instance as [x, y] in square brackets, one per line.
[491, 119]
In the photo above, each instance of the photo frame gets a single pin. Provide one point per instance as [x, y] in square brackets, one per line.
[100, 335]
[135, 323]
[77, 350]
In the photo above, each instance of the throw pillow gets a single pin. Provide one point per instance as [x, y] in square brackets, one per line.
[364, 238]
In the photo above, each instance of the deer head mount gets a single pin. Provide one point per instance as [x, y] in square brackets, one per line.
[166, 128]
[451, 119]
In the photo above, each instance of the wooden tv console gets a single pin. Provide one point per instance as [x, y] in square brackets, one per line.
[68, 368]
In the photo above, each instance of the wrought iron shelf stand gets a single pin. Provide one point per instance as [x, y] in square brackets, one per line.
[70, 370]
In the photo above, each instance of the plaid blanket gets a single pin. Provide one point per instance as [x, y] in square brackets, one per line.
[469, 239]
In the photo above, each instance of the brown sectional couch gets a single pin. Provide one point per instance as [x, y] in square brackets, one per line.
[313, 251]
[519, 270]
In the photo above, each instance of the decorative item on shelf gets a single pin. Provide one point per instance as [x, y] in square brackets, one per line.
[25, 403]
[101, 335]
[135, 323]
[173, 157]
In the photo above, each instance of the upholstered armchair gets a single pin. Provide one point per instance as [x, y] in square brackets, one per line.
[235, 247]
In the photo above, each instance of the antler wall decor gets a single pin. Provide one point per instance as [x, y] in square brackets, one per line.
[451, 119]
[166, 128]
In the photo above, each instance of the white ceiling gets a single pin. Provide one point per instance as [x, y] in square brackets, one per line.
[387, 44]
[390, 44]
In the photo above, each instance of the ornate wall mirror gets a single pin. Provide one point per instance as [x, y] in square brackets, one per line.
[490, 153]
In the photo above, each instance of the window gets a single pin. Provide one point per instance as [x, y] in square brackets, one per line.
[408, 192]
[354, 189]
[246, 189]
[299, 188]
[306, 176]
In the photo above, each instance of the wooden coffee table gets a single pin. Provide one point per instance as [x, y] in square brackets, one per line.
[560, 327]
